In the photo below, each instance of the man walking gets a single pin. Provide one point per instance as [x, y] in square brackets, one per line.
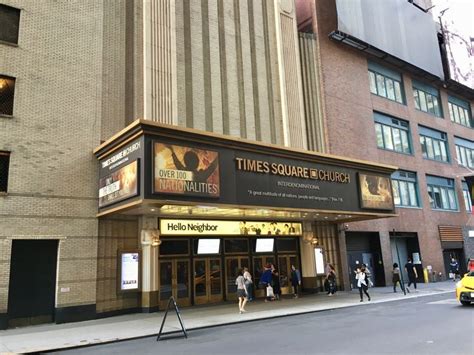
[412, 274]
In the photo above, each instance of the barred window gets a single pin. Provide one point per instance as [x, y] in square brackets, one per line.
[427, 99]
[434, 144]
[4, 165]
[464, 152]
[7, 93]
[405, 189]
[10, 20]
[392, 133]
[460, 111]
[442, 193]
[386, 83]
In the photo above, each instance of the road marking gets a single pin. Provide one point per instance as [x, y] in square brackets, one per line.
[448, 301]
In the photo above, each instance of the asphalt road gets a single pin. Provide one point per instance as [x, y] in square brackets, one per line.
[425, 325]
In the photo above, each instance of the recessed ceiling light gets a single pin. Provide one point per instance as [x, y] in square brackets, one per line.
[153, 210]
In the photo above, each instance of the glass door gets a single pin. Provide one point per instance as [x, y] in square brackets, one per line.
[284, 269]
[259, 263]
[232, 266]
[207, 280]
[174, 281]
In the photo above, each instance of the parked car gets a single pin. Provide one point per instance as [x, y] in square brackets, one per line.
[465, 289]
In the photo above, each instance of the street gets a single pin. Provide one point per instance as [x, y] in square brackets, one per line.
[426, 325]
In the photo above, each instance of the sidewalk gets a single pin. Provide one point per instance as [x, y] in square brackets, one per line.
[59, 336]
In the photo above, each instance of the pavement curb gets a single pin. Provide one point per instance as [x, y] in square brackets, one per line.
[166, 335]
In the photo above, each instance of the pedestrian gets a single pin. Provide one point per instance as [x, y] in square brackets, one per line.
[276, 284]
[453, 269]
[248, 284]
[412, 274]
[331, 279]
[470, 264]
[295, 280]
[362, 283]
[241, 291]
[369, 276]
[396, 277]
[266, 280]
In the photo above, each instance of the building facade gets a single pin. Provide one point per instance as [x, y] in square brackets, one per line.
[211, 123]
[385, 107]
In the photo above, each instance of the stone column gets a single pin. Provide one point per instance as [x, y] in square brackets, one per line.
[150, 273]
[308, 264]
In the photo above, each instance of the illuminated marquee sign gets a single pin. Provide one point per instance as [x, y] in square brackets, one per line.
[119, 185]
[208, 227]
[375, 192]
[185, 171]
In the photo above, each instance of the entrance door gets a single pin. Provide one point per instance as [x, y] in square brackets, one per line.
[232, 266]
[207, 280]
[32, 292]
[259, 263]
[174, 281]
[284, 269]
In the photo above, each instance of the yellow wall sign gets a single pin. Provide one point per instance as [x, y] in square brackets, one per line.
[207, 227]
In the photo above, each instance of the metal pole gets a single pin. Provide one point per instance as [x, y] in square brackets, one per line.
[399, 264]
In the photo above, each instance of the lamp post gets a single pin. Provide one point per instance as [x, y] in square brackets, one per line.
[399, 264]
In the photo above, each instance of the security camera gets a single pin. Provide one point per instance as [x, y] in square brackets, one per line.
[345, 226]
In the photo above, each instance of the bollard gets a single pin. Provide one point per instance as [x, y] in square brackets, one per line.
[425, 275]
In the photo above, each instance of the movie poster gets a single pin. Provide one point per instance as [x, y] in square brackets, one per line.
[375, 192]
[119, 185]
[186, 171]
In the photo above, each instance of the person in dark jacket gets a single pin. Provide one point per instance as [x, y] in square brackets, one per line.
[396, 277]
[331, 279]
[295, 280]
[276, 284]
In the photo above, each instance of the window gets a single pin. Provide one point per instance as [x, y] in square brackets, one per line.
[386, 83]
[464, 152]
[10, 20]
[4, 167]
[392, 133]
[442, 194]
[467, 197]
[405, 189]
[434, 144]
[7, 92]
[427, 99]
[460, 111]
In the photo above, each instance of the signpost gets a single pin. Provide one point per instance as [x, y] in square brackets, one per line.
[178, 314]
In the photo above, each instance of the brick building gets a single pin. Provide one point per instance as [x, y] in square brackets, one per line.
[248, 87]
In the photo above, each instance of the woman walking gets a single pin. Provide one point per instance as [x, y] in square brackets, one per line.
[241, 291]
[362, 282]
[331, 279]
[396, 277]
[248, 284]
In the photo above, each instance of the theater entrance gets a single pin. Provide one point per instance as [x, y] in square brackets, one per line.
[284, 269]
[232, 265]
[175, 281]
[207, 280]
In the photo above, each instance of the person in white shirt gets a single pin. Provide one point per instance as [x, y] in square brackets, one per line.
[362, 282]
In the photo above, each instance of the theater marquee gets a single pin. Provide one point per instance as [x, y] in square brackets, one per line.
[185, 170]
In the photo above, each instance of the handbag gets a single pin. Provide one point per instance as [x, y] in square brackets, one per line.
[270, 291]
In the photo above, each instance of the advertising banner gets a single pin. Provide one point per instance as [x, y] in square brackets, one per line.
[375, 192]
[186, 171]
[119, 185]
[211, 227]
[130, 268]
